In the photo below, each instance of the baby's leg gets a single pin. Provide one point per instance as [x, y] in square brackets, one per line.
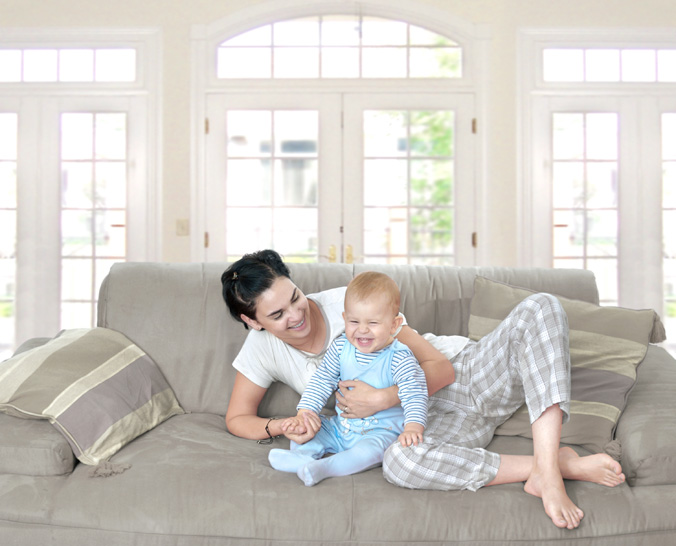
[366, 453]
[290, 460]
[299, 455]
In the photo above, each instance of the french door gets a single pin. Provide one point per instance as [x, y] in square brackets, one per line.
[604, 195]
[379, 178]
[74, 196]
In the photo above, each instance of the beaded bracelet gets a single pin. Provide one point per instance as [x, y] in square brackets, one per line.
[270, 437]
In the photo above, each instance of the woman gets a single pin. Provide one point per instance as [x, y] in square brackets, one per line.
[290, 333]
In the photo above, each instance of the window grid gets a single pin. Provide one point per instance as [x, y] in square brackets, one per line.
[312, 51]
[68, 65]
[93, 213]
[609, 65]
[8, 202]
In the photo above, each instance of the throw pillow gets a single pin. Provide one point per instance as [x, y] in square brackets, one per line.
[94, 385]
[606, 346]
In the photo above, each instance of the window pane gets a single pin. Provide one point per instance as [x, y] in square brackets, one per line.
[605, 272]
[76, 315]
[602, 233]
[76, 233]
[296, 182]
[386, 231]
[383, 32]
[8, 136]
[76, 65]
[568, 184]
[338, 30]
[385, 133]
[111, 136]
[666, 65]
[296, 132]
[568, 137]
[563, 65]
[422, 36]
[432, 133]
[432, 182]
[431, 231]
[438, 62]
[110, 233]
[340, 62]
[248, 228]
[669, 136]
[602, 65]
[569, 233]
[7, 184]
[296, 32]
[639, 65]
[239, 62]
[249, 133]
[385, 182]
[261, 36]
[115, 65]
[76, 279]
[249, 182]
[39, 65]
[295, 231]
[296, 62]
[602, 185]
[111, 184]
[602, 136]
[77, 184]
[384, 62]
[10, 65]
[77, 136]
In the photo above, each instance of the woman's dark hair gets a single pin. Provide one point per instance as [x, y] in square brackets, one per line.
[246, 279]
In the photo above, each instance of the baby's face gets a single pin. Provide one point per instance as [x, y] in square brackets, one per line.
[369, 324]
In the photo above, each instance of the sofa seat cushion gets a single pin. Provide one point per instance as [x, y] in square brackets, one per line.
[33, 448]
[191, 482]
[606, 346]
[95, 386]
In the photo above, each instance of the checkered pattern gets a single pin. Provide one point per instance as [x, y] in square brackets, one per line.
[525, 359]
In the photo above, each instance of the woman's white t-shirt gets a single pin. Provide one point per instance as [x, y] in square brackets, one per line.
[265, 359]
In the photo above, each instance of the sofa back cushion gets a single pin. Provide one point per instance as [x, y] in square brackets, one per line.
[176, 313]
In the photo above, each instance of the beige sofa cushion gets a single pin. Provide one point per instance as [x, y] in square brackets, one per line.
[94, 385]
[606, 346]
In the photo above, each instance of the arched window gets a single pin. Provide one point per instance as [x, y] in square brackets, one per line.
[335, 136]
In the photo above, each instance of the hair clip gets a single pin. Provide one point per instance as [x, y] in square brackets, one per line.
[234, 276]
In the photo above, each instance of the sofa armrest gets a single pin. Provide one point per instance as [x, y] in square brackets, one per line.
[647, 429]
[33, 447]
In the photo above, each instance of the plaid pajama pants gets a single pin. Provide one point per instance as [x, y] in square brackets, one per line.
[525, 359]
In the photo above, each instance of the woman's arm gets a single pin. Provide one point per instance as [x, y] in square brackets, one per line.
[362, 400]
[438, 370]
[242, 416]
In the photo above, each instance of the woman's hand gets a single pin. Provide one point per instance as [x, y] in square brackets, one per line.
[303, 427]
[357, 399]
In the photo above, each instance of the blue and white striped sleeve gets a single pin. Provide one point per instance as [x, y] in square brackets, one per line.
[325, 380]
[410, 378]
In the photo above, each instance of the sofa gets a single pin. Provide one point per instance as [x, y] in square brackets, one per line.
[187, 481]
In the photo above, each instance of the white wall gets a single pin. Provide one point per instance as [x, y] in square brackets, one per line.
[176, 17]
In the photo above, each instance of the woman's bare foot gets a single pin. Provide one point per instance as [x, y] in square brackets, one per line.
[548, 485]
[599, 468]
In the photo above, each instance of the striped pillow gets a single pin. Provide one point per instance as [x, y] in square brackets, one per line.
[94, 385]
[606, 346]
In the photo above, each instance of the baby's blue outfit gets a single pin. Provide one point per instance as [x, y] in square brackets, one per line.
[358, 444]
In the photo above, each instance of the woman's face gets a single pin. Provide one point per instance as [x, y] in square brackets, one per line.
[283, 310]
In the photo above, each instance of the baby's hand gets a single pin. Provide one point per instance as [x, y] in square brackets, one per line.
[412, 435]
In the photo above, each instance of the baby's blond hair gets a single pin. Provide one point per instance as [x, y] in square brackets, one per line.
[370, 283]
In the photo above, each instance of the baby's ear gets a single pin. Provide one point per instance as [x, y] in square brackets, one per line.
[396, 325]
